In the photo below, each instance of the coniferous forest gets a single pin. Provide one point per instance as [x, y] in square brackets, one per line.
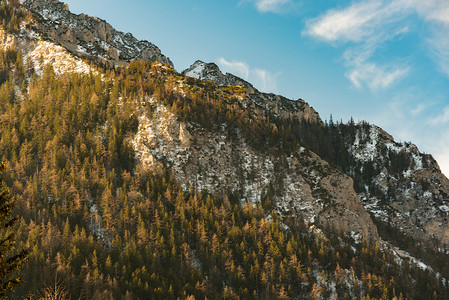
[96, 224]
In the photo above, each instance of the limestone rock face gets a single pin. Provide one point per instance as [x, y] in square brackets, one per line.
[38, 53]
[90, 37]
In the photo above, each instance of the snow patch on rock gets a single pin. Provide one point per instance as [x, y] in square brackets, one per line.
[196, 70]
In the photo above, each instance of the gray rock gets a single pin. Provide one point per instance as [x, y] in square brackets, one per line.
[90, 37]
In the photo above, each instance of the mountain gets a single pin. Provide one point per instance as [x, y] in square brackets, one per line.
[396, 183]
[403, 187]
[89, 37]
[133, 179]
[258, 103]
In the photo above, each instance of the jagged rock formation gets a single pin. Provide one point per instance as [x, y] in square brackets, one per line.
[268, 103]
[211, 72]
[402, 186]
[90, 37]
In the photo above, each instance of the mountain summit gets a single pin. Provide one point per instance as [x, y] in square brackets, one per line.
[211, 72]
[89, 37]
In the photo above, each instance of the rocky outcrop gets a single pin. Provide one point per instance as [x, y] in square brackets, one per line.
[260, 103]
[303, 184]
[37, 53]
[90, 37]
[413, 196]
[208, 71]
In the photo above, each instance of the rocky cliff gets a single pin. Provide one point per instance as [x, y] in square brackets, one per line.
[38, 53]
[89, 37]
[404, 187]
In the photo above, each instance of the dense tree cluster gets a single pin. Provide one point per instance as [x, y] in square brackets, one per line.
[101, 226]
[11, 257]
[12, 14]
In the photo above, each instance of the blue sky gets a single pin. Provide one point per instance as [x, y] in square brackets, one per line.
[386, 62]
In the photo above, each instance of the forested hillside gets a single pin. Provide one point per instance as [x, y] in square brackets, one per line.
[101, 224]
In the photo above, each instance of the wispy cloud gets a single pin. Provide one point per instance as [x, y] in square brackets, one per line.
[353, 24]
[362, 72]
[238, 68]
[431, 10]
[375, 76]
[369, 25]
[371, 21]
[439, 47]
[441, 119]
[421, 107]
[265, 80]
[274, 6]
[262, 79]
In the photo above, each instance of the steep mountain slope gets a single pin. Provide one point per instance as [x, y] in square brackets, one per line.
[89, 37]
[256, 101]
[135, 180]
[397, 183]
[223, 160]
[406, 188]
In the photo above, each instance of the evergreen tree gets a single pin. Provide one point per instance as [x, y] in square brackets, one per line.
[11, 259]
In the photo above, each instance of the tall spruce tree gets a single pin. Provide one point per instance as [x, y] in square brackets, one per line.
[11, 259]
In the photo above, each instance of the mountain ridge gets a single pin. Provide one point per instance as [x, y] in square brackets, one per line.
[90, 37]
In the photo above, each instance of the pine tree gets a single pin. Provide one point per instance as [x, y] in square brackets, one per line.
[11, 259]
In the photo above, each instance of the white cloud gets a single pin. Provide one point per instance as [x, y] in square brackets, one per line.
[363, 72]
[261, 79]
[350, 24]
[361, 22]
[431, 10]
[374, 76]
[270, 5]
[363, 27]
[238, 68]
[265, 80]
